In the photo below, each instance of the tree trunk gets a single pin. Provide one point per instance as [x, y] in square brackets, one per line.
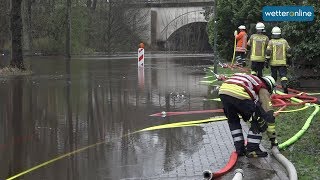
[109, 29]
[26, 22]
[94, 5]
[89, 2]
[68, 34]
[16, 31]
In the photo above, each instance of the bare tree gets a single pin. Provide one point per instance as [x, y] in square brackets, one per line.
[16, 34]
[68, 34]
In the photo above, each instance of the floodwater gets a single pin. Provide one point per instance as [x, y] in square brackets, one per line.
[94, 104]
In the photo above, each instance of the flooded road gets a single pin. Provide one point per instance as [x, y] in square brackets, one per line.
[89, 106]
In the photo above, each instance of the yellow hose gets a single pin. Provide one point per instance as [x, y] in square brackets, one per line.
[234, 50]
[164, 126]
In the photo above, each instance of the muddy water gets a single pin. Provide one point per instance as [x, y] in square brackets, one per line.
[94, 103]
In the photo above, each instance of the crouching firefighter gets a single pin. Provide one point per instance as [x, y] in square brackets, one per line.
[249, 97]
[278, 55]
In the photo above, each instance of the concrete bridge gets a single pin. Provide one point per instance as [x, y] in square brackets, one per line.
[165, 17]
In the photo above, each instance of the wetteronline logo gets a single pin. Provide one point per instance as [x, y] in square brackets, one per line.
[288, 13]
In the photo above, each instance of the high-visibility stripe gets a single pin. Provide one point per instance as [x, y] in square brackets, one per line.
[238, 81]
[274, 43]
[253, 72]
[239, 138]
[234, 89]
[250, 83]
[284, 79]
[236, 131]
[271, 128]
[254, 80]
[255, 38]
[257, 141]
[247, 82]
[249, 90]
[254, 138]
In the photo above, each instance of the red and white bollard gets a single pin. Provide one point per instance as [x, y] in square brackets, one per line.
[141, 65]
[141, 57]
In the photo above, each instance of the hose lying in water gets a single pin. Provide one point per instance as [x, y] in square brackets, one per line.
[163, 113]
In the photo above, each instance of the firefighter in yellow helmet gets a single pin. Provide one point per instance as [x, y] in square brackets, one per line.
[249, 96]
[257, 45]
[278, 56]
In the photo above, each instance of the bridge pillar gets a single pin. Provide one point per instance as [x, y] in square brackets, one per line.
[154, 28]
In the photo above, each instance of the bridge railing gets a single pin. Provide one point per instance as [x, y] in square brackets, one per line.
[175, 1]
[167, 3]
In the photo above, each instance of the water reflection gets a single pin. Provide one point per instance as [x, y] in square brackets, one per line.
[67, 105]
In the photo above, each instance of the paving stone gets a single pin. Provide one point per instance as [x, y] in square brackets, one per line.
[215, 153]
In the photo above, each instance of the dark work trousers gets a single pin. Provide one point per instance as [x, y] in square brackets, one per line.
[257, 67]
[234, 107]
[281, 69]
[241, 57]
[283, 76]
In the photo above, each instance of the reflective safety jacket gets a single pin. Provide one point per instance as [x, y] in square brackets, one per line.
[241, 41]
[277, 52]
[242, 86]
[258, 43]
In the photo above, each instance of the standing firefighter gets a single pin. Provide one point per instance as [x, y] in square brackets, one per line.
[249, 96]
[278, 55]
[241, 47]
[257, 44]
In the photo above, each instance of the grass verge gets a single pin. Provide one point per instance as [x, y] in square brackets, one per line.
[305, 153]
[9, 71]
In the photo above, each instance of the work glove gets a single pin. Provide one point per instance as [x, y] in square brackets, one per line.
[289, 61]
[254, 127]
[235, 33]
[268, 116]
[254, 123]
[263, 126]
[258, 124]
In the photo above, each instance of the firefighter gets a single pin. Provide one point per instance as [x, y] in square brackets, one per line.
[249, 96]
[278, 56]
[257, 44]
[241, 47]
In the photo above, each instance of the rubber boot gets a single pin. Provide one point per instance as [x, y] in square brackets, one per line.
[256, 153]
[253, 150]
[238, 60]
[284, 86]
[240, 148]
[244, 64]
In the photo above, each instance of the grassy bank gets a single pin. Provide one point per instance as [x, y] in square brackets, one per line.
[305, 153]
